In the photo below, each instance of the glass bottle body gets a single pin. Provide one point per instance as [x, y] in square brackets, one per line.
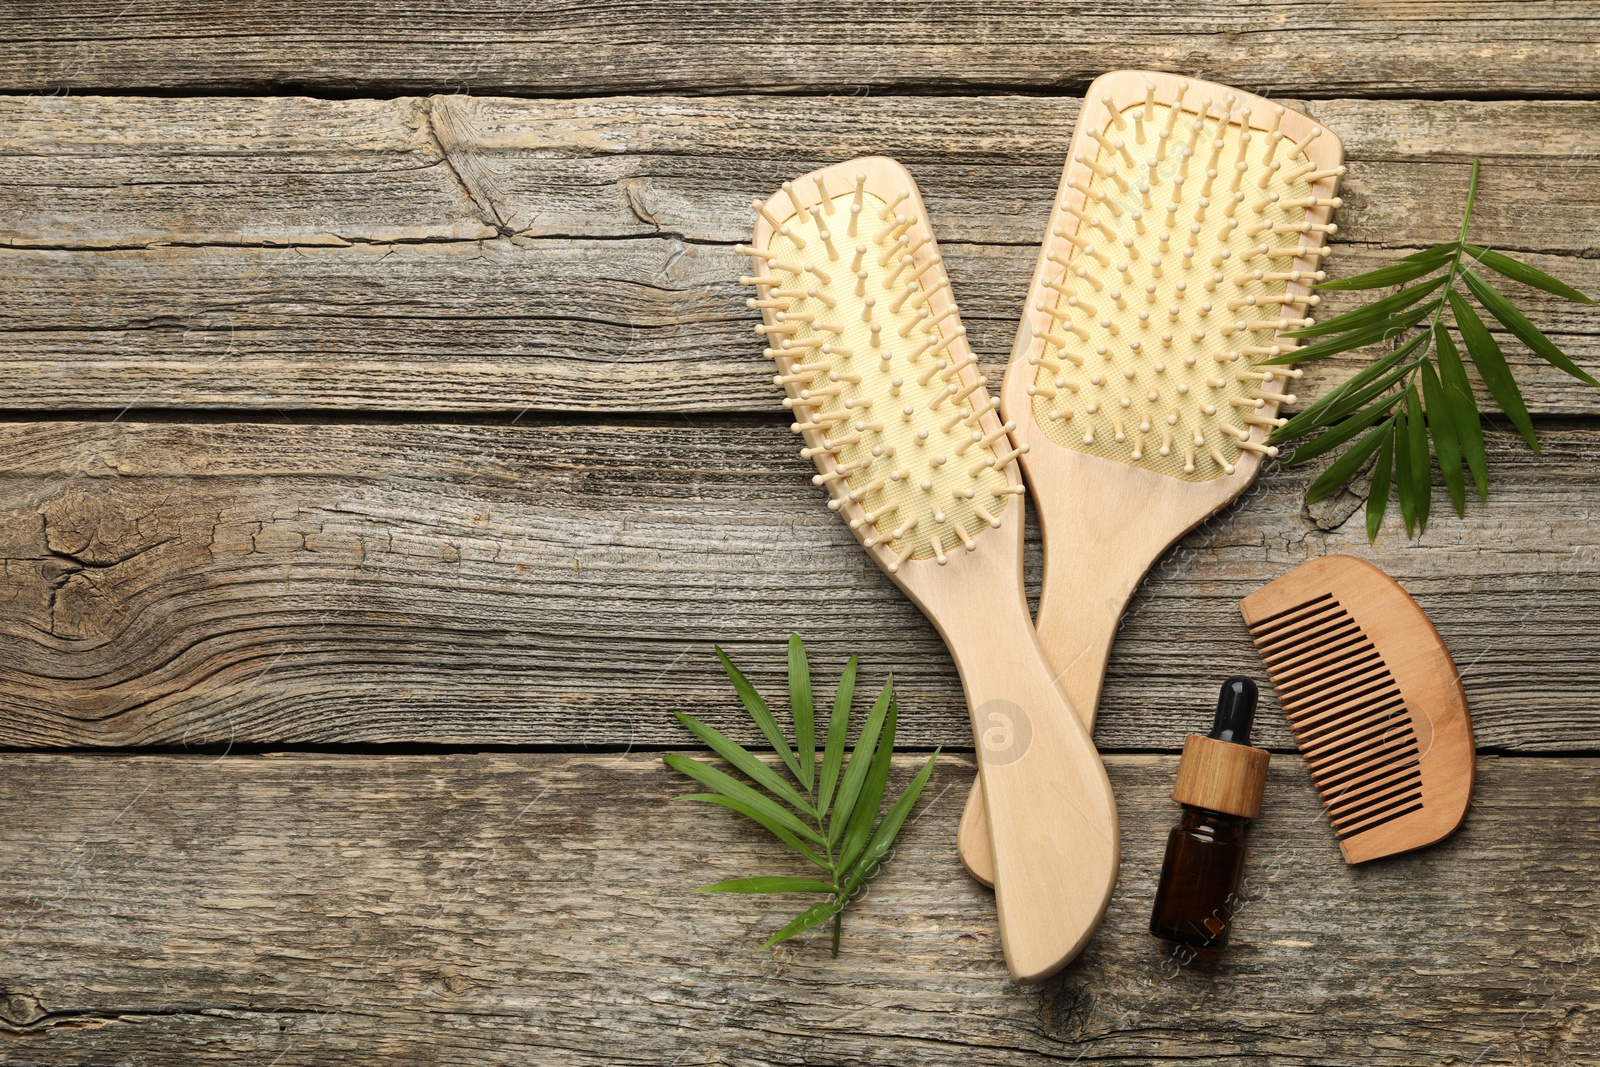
[1197, 895]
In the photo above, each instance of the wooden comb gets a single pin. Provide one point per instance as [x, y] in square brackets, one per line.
[1374, 700]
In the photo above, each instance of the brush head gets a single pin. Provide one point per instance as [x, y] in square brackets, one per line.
[1190, 222]
[873, 360]
[1374, 700]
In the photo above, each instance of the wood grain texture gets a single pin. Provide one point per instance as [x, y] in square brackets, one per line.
[558, 584]
[455, 253]
[1500, 47]
[507, 909]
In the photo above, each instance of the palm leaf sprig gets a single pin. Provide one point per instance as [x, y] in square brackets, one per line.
[1414, 405]
[827, 815]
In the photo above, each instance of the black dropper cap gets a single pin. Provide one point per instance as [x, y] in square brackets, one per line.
[1236, 711]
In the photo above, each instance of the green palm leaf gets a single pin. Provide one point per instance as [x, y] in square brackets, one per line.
[1372, 313]
[1417, 449]
[1518, 271]
[1408, 269]
[1346, 465]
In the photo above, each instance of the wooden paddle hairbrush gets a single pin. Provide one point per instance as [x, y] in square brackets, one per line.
[1374, 700]
[1188, 225]
[857, 311]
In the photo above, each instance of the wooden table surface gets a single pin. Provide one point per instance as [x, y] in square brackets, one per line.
[385, 449]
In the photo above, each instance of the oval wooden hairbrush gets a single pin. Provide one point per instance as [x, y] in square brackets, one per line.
[859, 319]
[1188, 225]
[1374, 700]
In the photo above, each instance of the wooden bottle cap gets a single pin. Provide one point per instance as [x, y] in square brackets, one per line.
[1221, 776]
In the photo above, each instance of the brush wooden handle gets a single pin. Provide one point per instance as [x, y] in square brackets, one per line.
[1098, 557]
[1075, 632]
[1052, 821]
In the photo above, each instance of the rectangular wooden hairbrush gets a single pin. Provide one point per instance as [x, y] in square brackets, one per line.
[1374, 700]
[858, 316]
[1185, 235]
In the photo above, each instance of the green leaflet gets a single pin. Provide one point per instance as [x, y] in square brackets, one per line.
[1378, 495]
[1374, 312]
[1486, 356]
[1337, 436]
[762, 820]
[801, 711]
[1446, 439]
[768, 885]
[734, 789]
[838, 729]
[812, 916]
[1367, 335]
[1526, 332]
[1409, 269]
[758, 711]
[1402, 474]
[744, 762]
[1518, 271]
[1464, 406]
[1346, 465]
[1417, 449]
[855, 772]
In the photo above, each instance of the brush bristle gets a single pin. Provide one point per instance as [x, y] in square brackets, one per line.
[1347, 713]
[1175, 259]
[870, 350]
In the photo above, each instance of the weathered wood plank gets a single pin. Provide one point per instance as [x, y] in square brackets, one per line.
[258, 254]
[1427, 46]
[558, 584]
[506, 909]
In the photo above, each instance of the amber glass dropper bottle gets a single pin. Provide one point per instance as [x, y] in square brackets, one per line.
[1220, 780]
